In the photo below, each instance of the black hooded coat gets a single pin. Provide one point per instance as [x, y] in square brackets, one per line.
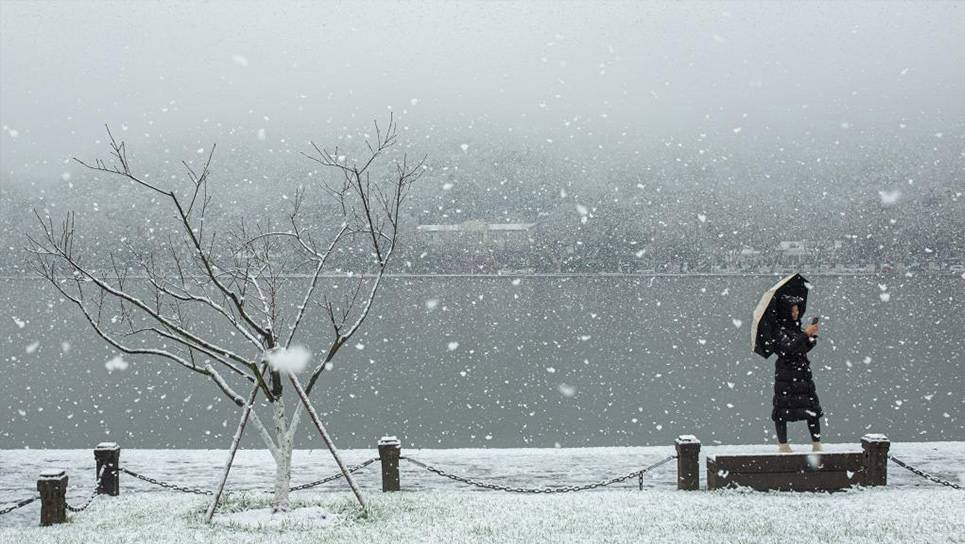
[795, 397]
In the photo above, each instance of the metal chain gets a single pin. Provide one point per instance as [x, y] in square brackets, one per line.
[510, 489]
[86, 504]
[198, 491]
[924, 474]
[18, 504]
[93, 494]
[166, 485]
[335, 476]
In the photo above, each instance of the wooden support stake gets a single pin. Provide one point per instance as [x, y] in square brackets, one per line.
[107, 457]
[390, 449]
[875, 448]
[235, 443]
[688, 462]
[52, 485]
[328, 440]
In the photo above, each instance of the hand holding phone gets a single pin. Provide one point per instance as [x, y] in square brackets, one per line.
[812, 328]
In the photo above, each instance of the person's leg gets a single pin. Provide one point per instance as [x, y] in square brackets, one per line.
[781, 427]
[814, 427]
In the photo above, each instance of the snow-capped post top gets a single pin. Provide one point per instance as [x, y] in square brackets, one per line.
[107, 446]
[389, 441]
[52, 473]
[687, 438]
[293, 359]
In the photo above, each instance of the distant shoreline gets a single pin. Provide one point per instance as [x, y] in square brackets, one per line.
[575, 275]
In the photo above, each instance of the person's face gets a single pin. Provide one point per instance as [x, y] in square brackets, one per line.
[795, 312]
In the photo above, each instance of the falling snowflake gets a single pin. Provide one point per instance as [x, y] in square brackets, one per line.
[293, 359]
[116, 363]
[889, 197]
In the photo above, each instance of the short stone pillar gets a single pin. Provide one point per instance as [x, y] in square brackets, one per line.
[875, 448]
[52, 485]
[688, 462]
[108, 460]
[390, 449]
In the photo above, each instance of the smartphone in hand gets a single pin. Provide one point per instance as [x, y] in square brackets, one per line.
[814, 321]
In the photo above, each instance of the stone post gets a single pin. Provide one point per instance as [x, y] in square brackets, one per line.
[688, 464]
[390, 449]
[108, 458]
[52, 485]
[875, 448]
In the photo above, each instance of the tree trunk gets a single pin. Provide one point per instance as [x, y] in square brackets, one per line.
[283, 458]
[283, 473]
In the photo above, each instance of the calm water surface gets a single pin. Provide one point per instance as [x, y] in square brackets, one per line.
[515, 362]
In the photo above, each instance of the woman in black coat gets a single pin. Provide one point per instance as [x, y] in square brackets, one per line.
[795, 398]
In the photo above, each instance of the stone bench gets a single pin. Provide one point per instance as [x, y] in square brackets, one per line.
[818, 471]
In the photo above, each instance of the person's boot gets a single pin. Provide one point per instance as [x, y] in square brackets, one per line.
[816, 446]
[784, 448]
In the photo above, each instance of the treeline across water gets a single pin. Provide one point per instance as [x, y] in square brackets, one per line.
[661, 214]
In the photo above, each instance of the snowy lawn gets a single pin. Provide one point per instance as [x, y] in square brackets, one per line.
[433, 509]
[655, 515]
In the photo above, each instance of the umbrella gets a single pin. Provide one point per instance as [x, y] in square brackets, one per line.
[765, 314]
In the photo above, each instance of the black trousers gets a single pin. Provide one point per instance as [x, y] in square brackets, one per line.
[814, 427]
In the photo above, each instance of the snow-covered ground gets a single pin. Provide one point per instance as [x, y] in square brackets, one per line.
[910, 509]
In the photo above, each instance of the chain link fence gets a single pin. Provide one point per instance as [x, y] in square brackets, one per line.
[924, 474]
[174, 487]
[199, 491]
[93, 494]
[455, 477]
[352, 469]
[534, 490]
[166, 485]
[18, 504]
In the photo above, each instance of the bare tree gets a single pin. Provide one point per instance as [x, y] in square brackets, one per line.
[258, 282]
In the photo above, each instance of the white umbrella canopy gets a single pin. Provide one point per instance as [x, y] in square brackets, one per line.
[765, 314]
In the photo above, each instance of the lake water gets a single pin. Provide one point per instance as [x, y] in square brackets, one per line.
[521, 362]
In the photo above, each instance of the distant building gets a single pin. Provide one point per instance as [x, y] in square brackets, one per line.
[748, 255]
[792, 251]
[479, 234]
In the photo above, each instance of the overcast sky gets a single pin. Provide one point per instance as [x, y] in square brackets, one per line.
[274, 74]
